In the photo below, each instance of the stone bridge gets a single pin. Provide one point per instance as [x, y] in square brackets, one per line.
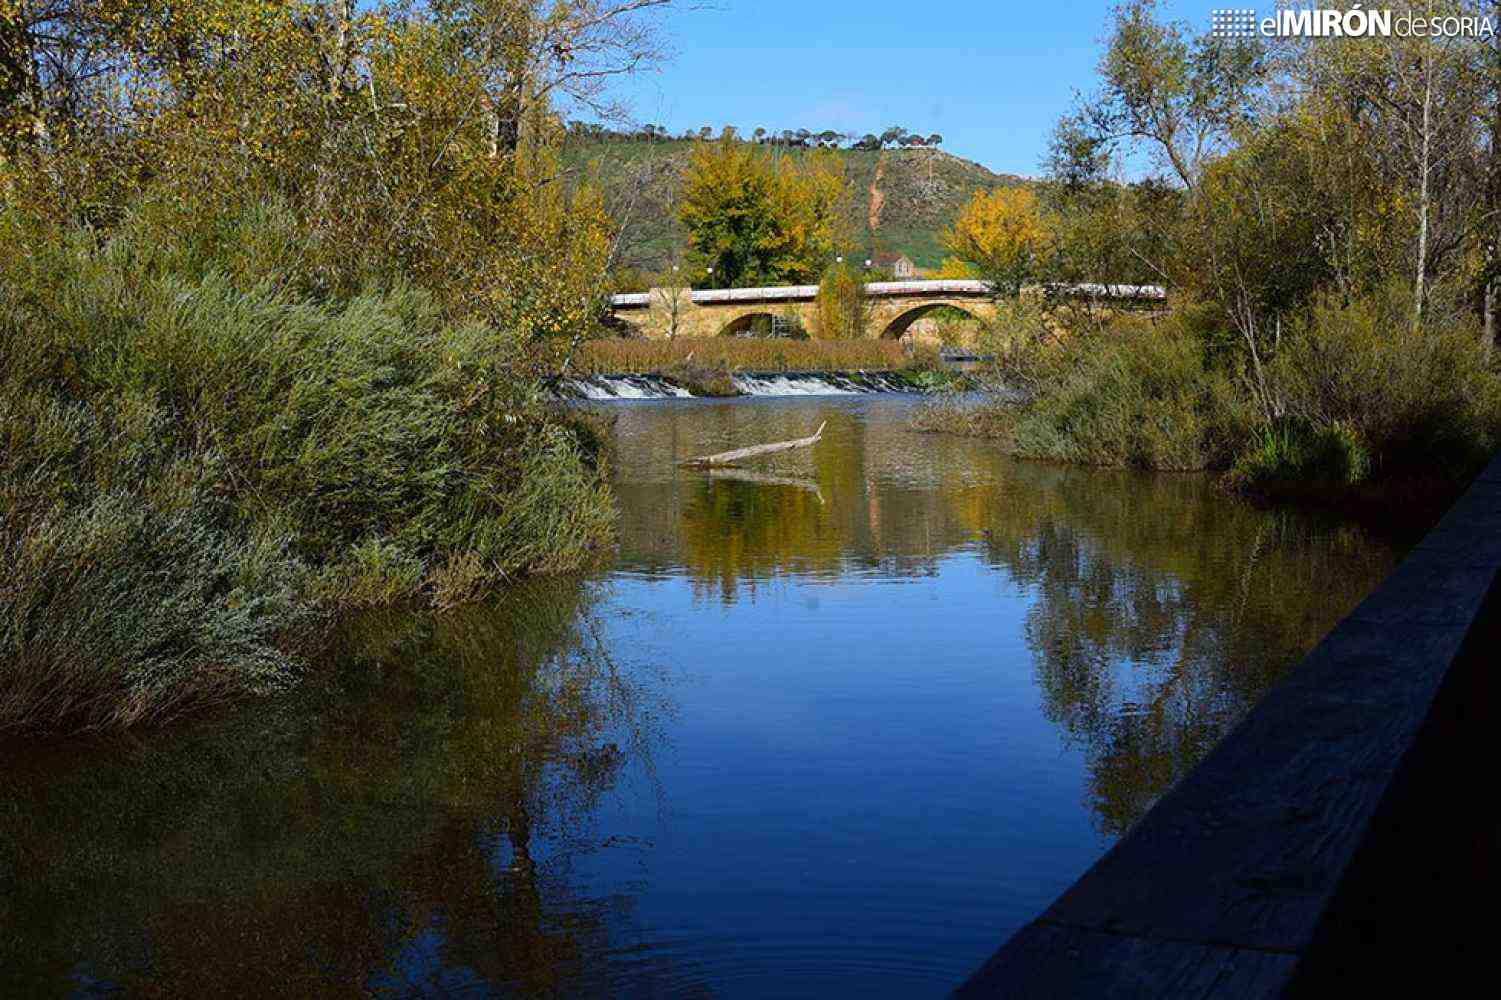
[894, 305]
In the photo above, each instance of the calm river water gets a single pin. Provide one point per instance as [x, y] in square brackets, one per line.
[834, 727]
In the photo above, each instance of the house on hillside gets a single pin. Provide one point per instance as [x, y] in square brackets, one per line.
[898, 265]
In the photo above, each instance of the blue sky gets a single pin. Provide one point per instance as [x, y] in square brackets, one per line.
[990, 75]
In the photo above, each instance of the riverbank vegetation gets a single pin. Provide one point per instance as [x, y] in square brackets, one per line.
[1325, 217]
[282, 286]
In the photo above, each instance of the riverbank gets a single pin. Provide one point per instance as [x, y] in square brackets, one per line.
[198, 474]
[1357, 410]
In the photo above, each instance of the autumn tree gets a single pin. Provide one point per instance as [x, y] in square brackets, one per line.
[414, 141]
[755, 218]
[1001, 233]
[1420, 110]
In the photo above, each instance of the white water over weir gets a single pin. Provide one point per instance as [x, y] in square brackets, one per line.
[746, 384]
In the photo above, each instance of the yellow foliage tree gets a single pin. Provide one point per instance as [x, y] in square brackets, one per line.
[1001, 233]
[955, 269]
[754, 218]
[413, 145]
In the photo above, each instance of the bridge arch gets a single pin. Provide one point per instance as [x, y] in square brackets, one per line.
[742, 324]
[896, 327]
[633, 328]
[763, 323]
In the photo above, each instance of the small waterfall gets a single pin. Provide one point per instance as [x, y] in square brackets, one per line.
[819, 383]
[621, 387]
[606, 387]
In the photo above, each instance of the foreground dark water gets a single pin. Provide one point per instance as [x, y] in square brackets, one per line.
[834, 727]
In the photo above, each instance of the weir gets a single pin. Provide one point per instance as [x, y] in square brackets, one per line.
[1331, 836]
[622, 387]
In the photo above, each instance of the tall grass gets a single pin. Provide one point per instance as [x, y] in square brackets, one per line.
[196, 461]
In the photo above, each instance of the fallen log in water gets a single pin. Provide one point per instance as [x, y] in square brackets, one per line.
[754, 451]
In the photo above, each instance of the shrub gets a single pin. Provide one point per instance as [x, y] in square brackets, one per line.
[190, 444]
[374, 573]
[1136, 395]
[1423, 398]
[988, 417]
[1289, 453]
[122, 610]
[704, 380]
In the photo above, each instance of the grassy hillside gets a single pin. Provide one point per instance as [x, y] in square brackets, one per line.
[909, 195]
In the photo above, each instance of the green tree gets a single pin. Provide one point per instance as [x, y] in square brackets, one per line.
[843, 308]
[1178, 94]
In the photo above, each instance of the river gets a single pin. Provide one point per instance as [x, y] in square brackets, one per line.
[833, 727]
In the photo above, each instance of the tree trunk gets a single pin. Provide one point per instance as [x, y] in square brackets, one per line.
[1493, 250]
[755, 451]
[1488, 340]
[1420, 281]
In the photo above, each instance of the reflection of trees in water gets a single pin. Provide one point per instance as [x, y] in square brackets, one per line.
[408, 823]
[1162, 610]
[1163, 613]
[735, 533]
[821, 513]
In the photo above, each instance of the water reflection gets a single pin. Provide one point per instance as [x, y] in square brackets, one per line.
[835, 724]
[410, 825]
[1160, 610]
[1162, 613]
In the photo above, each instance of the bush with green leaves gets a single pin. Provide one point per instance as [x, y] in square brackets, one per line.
[196, 455]
[1353, 392]
[1138, 395]
[1424, 398]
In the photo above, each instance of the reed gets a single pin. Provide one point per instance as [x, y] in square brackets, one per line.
[196, 470]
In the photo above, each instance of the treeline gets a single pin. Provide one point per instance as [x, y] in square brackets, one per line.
[1325, 214]
[280, 284]
[895, 137]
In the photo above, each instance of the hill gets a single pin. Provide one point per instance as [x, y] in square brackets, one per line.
[901, 199]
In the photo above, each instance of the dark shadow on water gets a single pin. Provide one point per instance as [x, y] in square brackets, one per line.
[406, 825]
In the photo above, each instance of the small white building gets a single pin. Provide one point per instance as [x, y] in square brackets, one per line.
[898, 265]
